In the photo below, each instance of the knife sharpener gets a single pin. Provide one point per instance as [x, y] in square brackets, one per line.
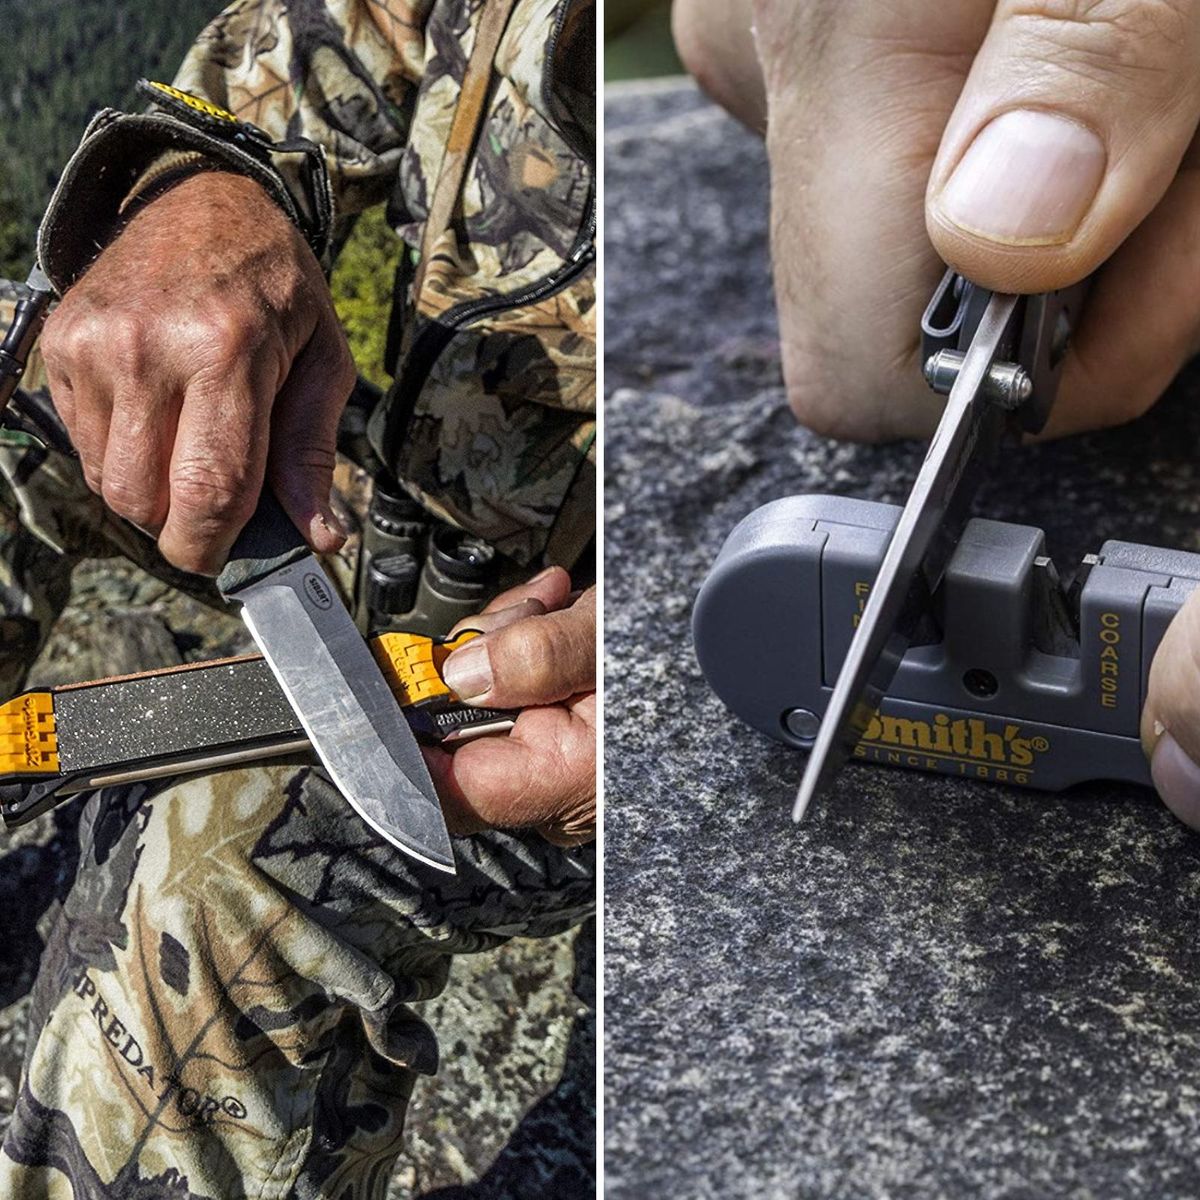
[1015, 679]
[60, 741]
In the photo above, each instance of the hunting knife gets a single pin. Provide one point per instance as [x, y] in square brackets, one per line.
[331, 679]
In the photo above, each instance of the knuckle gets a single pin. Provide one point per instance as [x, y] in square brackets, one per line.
[117, 340]
[130, 497]
[865, 399]
[212, 494]
[125, 339]
[234, 333]
[53, 337]
[223, 335]
[525, 652]
[65, 338]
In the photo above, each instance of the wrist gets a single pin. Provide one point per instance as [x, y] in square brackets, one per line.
[117, 164]
[169, 169]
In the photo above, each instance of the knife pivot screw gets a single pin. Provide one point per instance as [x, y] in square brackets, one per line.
[801, 723]
[1007, 384]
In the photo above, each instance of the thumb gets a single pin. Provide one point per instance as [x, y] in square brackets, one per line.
[536, 661]
[1171, 716]
[304, 424]
[1069, 130]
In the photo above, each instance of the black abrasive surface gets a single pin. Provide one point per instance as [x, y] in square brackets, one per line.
[935, 988]
[176, 713]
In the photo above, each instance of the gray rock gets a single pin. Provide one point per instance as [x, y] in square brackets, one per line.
[91, 645]
[933, 988]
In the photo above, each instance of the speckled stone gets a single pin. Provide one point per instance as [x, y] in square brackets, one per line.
[935, 988]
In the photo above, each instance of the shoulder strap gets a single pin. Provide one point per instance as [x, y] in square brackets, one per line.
[472, 99]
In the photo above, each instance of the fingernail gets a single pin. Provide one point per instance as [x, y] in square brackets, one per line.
[327, 520]
[1177, 780]
[489, 622]
[543, 574]
[1028, 178]
[469, 671]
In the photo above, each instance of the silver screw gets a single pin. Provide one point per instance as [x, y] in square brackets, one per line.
[1007, 384]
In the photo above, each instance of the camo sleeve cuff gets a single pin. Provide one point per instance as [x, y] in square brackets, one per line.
[118, 153]
[164, 172]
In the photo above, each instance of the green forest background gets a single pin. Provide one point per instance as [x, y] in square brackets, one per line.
[60, 61]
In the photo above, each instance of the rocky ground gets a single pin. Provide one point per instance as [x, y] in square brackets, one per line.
[933, 988]
[515, 1098]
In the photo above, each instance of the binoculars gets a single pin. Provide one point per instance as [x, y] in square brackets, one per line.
[415, 573]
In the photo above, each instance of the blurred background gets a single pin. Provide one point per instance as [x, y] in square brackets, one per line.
[637, 39]
[58, 65]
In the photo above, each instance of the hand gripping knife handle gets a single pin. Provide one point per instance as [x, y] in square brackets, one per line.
[1013, 678]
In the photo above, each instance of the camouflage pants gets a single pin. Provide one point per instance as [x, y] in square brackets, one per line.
[222, 1009]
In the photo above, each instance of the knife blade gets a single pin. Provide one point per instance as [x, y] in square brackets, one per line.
[326, 670]
[991, 401]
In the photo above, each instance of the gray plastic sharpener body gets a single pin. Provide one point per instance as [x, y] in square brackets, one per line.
[1015, 680]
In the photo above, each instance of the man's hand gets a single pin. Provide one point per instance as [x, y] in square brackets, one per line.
[538, 653]
[1035, 140]
[1171, 717]
[197, 356]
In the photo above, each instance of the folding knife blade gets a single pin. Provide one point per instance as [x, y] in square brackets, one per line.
[331, 679]
[991, 399]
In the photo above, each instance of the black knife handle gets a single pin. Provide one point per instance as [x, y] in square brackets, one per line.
[269, 541]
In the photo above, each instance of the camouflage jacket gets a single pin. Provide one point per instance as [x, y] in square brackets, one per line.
[473, 121]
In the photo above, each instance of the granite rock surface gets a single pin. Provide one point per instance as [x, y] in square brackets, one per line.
[934, 988]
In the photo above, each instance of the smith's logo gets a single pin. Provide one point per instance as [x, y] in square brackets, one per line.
[968, 738]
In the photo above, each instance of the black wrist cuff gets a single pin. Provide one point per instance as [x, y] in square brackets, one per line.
[85, 210]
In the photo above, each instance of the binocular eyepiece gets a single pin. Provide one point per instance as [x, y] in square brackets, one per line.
[415, 574]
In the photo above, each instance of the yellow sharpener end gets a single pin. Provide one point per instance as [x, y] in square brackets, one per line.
[412, 664]
[28, 741]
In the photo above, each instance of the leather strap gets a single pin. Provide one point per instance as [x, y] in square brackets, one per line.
[468, 113]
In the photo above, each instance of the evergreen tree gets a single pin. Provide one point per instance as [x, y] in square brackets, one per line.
[61, 61]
